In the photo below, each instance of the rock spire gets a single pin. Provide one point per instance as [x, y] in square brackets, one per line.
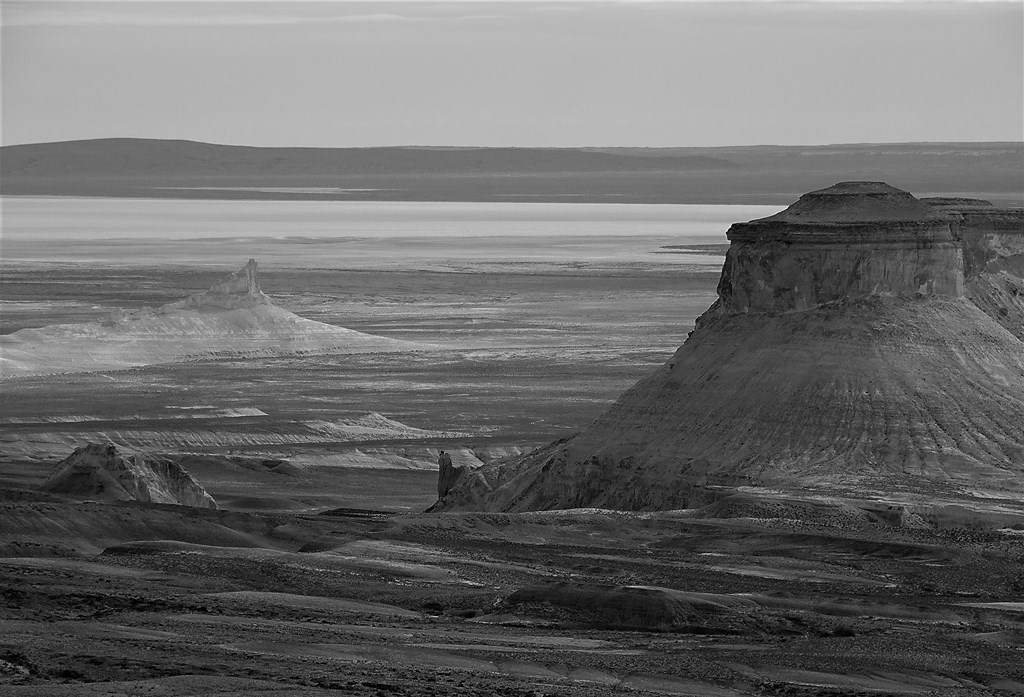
[239, 289]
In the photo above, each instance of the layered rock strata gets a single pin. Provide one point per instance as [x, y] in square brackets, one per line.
[103, 471]
[992, 240]
[853, 240]
[844, 355]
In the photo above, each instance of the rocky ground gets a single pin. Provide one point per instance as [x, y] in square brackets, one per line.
[583, 603]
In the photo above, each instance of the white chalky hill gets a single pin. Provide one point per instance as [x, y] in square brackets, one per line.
[233, 318]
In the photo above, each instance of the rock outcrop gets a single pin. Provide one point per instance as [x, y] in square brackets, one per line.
[105, 472]
[233, 318]
[239, 289]
[844, 356]
[992, 240]
[449, 475]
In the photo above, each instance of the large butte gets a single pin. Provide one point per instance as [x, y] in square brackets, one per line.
[848, 354]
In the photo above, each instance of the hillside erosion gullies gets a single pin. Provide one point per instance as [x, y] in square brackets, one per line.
[232, 318]
[865, 343]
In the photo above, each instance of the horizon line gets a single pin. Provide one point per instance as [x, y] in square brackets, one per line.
[513, 147]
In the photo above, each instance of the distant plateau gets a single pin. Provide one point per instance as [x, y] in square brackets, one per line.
[766, 175]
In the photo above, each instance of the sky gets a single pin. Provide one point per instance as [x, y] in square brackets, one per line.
[520, 73]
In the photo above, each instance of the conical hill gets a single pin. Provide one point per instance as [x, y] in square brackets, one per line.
[234, 318]
[103, 471]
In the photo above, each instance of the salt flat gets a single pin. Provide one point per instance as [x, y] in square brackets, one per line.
[357, 234]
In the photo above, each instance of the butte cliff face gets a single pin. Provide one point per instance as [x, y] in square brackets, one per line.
[844, 355]
[102, 471]
[232, 318]
[992, 240]
[850, 241]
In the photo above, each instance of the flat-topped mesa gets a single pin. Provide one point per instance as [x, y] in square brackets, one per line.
[852, 240]
[237, 290]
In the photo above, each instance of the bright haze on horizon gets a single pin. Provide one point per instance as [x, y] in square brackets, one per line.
[683, 73]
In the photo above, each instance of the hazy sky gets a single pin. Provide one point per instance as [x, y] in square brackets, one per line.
[513, 73]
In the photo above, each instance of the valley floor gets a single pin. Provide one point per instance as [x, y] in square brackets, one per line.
[582, 603]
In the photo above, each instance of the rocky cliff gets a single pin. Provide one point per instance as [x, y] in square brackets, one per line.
[992, 240]
[844, 355]
[850, 241]
[103, 471]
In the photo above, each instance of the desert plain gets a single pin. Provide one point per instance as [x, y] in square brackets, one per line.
[321, 573]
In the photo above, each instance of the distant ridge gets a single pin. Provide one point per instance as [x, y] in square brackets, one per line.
[145, 156]
[135, 167]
